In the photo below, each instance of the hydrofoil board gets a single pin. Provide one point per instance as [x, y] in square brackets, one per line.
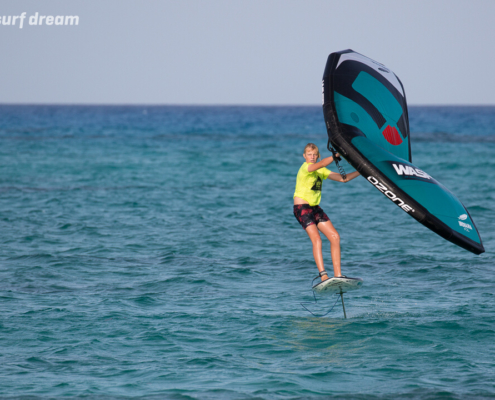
[338, 285]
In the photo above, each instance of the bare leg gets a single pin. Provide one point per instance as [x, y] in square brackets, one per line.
[314, 235]
[333, 236]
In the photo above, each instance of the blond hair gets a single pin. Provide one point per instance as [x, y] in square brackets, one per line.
[312, 146]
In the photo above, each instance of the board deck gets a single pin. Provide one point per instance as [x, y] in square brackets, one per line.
[338, 285]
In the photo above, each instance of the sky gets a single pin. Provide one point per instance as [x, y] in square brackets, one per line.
[266, 52]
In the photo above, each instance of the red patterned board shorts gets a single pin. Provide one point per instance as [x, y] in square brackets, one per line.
[307, 215]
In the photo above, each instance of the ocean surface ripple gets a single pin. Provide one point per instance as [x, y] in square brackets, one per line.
[151, 252]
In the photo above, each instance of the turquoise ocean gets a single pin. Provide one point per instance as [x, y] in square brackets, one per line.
[151, 252]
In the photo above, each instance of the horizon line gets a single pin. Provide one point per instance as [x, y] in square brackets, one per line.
[215, 105]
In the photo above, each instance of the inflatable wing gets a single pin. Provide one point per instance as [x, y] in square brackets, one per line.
[365, 110]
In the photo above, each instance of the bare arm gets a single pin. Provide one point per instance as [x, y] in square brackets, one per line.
[320, 164]
[334, 176]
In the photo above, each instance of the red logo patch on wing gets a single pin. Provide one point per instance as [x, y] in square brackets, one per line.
[392, 135]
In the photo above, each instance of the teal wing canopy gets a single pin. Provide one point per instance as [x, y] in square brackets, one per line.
[365, 110]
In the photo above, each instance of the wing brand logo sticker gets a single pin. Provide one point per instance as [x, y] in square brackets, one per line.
[404, 169]
[467, 227]
[411, 172]
[391, 195]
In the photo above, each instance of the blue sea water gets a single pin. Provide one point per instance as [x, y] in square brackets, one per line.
[151, 252]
